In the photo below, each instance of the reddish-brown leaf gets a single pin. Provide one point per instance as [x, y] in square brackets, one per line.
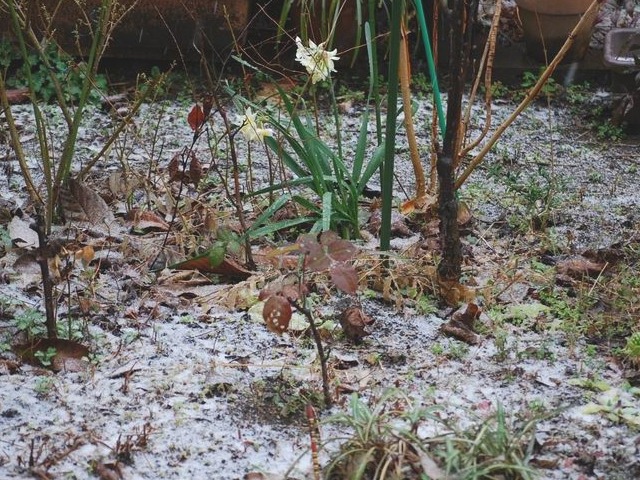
[195, 117]
[68, 357]
[344, 277]
[460, 332]
[341, 250]
[287, 287]
[228, 267]
[461, 324]
[328, 237]
[195, 170]
[174, 169]
[467, 315]
[354, 323]
[316, 259]
[265, 293]
[306, 242]
[291, 291]
[277, 314]
[144, 220]
[108, 471]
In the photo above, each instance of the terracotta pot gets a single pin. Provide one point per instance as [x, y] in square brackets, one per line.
[547, 24]
[154, 29]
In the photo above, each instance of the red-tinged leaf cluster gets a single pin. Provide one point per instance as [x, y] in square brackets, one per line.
[344, 277]
[287, 288]
[330, 252]
[325, 253]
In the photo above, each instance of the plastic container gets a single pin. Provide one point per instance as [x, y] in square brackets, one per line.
[622, 56]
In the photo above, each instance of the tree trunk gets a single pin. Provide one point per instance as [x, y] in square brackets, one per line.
[462, 18]
[450, 266]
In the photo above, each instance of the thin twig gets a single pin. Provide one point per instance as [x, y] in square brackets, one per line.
[531, 94]
[318, 340]
[487, 65]
[47, 283]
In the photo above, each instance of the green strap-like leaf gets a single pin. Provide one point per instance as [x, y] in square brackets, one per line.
[276, 226]
[326, 211]
[360, 148]
[270, 211]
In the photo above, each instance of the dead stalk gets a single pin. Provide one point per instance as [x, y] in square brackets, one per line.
[405, 76]
[237, 198]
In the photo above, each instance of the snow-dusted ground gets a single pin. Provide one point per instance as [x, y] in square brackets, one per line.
[179, 387]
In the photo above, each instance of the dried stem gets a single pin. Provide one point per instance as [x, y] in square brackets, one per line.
[486, 65]
[405, 76]
[236, 181]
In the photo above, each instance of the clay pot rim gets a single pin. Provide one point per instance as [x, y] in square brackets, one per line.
[555, 7]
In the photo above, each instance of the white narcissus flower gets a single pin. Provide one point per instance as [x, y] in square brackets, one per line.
[253, 129]
[317, 60]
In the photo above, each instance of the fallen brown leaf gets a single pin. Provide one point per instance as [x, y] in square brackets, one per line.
[578, 266]
[108, 471]
[461, 324]
[461, 332]
[69, 354]
[354, 323]
[146, 221]
[195, 170]
[454, 292]
[467, 315]
[82, 204]
[21, 233]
